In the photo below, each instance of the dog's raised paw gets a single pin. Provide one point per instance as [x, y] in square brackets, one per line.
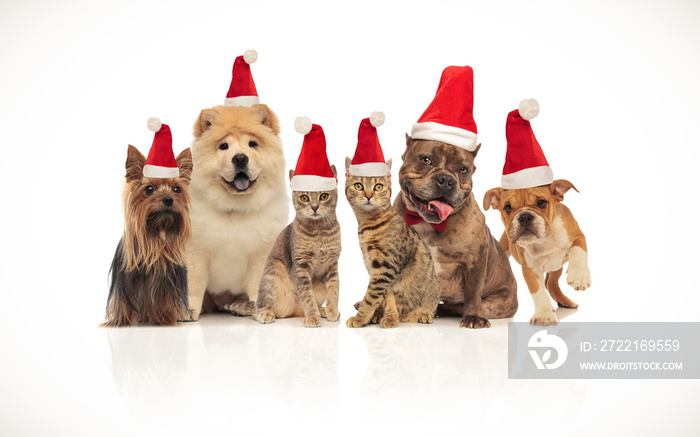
[578, 278]
[544, 318]
[474, 322]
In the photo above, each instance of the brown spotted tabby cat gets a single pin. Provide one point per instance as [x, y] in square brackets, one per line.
[301, 271]
[402, 284]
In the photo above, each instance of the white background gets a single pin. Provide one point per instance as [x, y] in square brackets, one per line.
[618, 89]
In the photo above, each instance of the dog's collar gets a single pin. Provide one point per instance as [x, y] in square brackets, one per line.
[413, 218]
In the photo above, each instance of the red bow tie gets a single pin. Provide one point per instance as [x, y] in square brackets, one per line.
[413, 218]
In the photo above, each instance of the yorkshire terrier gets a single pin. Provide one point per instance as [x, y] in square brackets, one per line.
[148, 274]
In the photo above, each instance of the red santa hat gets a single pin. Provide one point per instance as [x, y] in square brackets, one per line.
[449, 118]
[369, 158]
[313, 171]
[242, 91]
[526, 165]
[161, 159]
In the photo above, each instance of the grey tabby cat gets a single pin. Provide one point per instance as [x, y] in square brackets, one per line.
[402, 285]
[301, 271]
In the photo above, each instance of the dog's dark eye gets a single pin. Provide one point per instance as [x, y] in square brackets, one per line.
[252, 144]
[150, 189]
[464, 170]
[541, 203]
[177, 189]
[508, 208]
[223, 146]
[426, 161]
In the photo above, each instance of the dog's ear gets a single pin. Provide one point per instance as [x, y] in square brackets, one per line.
[492, 198]
[134, 164]
[204, 121]
[409, 142]
[184, 163]
[291, 175]
[335, 173]
[348, 161]
[388, 169]
[267, 117]
[559, 187]
[478, 146]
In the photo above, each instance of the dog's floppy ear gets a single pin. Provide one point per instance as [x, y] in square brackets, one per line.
[184, 163]
[267, 117]
[134, 164]
[348, 161]
[204, 121]
[492, 198]
[559, 187]
[388, 169]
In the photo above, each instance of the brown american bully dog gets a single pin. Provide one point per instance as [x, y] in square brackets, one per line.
[476, 280]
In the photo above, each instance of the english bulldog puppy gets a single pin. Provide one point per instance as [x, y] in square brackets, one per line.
[542, 235]
[476, 280]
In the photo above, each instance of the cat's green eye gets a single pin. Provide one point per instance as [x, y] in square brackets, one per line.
[304, 198]
[324, 196]
[359, 187]
[378, 187]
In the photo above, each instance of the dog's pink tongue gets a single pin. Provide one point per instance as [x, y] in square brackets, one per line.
[443, 209]
[242, 183]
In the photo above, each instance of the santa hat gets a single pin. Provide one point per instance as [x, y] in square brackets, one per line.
[313, 171]
[449, 117]
[525, 166]
[161, 159]
[242, 91]
[369, 159]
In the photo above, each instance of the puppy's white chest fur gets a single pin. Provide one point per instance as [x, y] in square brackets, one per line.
[550, 253]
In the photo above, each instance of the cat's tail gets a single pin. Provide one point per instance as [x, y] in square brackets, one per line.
[241, 308]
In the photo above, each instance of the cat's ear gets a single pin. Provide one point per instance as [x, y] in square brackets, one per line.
[335, 173]
[388, 169]
[291, 175]
[348, 161]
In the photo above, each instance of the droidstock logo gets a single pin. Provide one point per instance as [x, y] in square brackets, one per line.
[541, 341]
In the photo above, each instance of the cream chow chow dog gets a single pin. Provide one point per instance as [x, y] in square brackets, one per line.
[239, 203]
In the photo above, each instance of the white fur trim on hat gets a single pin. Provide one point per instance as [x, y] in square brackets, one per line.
[313, 183]
[369, 169]
[528, 178]
[529, 108]
[429, 130]
[156, 171]
[242, 101]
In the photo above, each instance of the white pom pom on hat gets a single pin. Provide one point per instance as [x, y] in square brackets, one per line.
[154, 124]
[302, 125]
[529, 108]
[250, 56]
[377, 118]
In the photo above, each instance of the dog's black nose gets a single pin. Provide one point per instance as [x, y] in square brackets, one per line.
[525, 219]
[240, 160]
[444, 181]
[168, 201]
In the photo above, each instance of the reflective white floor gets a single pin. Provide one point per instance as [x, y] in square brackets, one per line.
[226, 374]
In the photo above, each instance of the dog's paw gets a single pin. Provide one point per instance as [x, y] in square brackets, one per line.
[389, 321]
[312, 321]
[191, 316]
[474, 322]
[578, 277]
[266, 316]
[544, 318]
[565, 302]
[354, 322]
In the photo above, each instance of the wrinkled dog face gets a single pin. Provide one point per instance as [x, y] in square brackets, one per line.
[436, 177]
[235, 147]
